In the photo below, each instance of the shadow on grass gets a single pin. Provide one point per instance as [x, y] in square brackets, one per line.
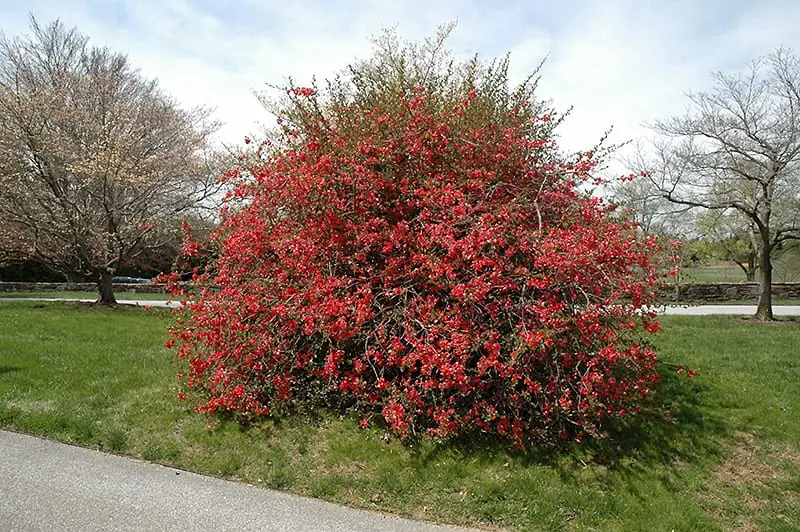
[677, 425]
[8, 369]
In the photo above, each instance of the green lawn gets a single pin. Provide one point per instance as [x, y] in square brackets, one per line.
[725, 455]
[785, 269]
[717, 273]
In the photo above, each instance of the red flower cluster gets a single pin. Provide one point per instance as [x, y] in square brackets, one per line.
[302, 91]
[443, 273]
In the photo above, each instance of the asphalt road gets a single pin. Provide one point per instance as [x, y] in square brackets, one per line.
[45, 485]
[121, 301]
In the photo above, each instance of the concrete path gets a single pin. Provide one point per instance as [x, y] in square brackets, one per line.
[46, 486]
[737, 310]
[121, 301]
[678, 310]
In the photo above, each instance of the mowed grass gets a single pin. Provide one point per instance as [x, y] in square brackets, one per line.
[715, 273]
[785, 269]
[718, 452]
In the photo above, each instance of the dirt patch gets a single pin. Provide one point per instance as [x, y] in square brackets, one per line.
[750, 469]
[743, 467]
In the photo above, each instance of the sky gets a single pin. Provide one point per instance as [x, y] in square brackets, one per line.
[617, 63]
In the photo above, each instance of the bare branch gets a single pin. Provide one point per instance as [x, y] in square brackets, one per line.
[738, 148]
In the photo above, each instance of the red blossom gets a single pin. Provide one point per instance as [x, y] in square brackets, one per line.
[304, 91]
[446, 275]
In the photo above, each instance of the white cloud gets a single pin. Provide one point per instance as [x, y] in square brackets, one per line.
[619, 63]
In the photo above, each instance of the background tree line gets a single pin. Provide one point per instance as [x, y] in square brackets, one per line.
[99, 167]
[725, 175]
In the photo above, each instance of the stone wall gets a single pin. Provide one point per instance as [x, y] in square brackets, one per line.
[80, 287]
[689, 292]
[726, 292]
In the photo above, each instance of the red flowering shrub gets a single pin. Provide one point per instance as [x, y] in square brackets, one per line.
[424, 255]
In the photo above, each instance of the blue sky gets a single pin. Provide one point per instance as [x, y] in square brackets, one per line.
[619, 63]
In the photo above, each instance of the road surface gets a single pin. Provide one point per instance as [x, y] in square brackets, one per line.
[45, 485]
[670, 310]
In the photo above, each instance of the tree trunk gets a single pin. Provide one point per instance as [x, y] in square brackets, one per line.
[106, 289]
[751, 268]
[764, 310]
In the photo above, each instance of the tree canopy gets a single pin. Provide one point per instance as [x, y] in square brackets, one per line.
[97, 163]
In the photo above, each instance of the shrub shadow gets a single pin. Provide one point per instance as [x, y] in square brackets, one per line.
[8, 369]
[676, 425]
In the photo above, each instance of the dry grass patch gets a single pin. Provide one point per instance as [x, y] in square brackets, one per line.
[751, 484]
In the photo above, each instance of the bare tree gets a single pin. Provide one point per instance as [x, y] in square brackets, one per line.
[738, 149]
[654, 215]
[97, 164]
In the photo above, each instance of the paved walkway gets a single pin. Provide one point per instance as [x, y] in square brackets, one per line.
[680, 310]
[121, 301]
[45, 485]
[740, 310]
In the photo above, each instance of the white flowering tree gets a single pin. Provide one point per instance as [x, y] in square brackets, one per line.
[97, 164]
